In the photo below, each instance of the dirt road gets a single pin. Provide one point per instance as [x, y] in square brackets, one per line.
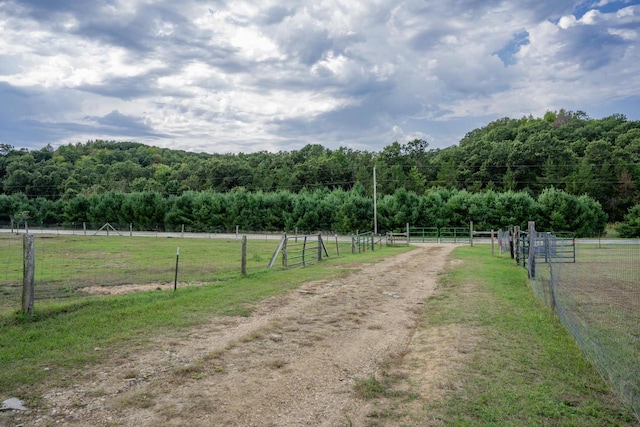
[293, 362]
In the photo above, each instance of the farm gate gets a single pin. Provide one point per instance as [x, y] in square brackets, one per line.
[300, 251]
[440, 235]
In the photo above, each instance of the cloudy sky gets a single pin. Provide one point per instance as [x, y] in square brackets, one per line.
[243, 76]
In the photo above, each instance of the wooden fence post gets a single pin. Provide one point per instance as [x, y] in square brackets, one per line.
[28, 278]
[319, 247]
[551, 282]
[471, 232]
[532, 249]
[244, 255]
[284, 251]
[516, 243]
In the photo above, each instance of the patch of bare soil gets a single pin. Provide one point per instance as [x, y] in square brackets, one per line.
[125, 289]
[293, 362]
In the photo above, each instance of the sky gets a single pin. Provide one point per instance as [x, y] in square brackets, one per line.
[264, 75]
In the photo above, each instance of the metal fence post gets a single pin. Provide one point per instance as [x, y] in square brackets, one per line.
[304, 249]
[408, 235]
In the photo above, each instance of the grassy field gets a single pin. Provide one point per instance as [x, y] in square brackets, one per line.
[511, 363]
[67, 265]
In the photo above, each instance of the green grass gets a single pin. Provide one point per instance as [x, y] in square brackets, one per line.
[599, 294]
[67, 334]
[526, 369]
[67, 264]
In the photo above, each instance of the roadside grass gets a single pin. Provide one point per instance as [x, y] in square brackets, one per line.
[64, 336]
[522, 368]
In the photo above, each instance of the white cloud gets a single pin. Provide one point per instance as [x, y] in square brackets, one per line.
[241, 75]
[567, 21]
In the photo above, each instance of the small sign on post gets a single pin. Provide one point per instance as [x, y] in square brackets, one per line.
[28, 277]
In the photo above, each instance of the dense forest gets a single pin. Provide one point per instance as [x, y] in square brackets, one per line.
[590, 164]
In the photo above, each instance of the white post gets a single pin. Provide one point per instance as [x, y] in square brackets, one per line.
[243, 264]
[375, 203]
[493, 249]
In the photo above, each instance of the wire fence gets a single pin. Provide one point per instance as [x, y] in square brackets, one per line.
[595, 290]
[78, 265]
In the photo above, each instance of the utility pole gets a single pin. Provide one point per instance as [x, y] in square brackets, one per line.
[375, 204]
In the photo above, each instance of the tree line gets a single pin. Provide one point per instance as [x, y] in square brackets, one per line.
[312, 210]
[563, 150]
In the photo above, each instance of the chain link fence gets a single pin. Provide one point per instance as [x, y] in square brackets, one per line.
[595, 290]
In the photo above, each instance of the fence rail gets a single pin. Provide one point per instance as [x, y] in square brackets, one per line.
[440, 235]
[301, 251]
[362, 242]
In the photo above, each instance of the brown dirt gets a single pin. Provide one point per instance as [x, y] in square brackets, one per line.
[125, 289]
[293, 362]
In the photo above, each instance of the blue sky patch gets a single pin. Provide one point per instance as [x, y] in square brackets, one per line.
[508, 52]
[603, 6]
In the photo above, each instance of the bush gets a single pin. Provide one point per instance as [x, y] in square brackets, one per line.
[630, 227]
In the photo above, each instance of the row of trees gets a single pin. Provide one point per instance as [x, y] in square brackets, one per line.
[565, 150]
[313, 210]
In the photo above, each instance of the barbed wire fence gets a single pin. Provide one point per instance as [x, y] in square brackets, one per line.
[595, 290]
